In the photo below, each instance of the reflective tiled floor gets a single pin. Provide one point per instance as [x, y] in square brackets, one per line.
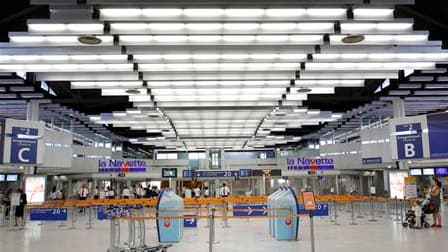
[380, 236]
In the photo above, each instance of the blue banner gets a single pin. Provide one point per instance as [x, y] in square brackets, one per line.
[409, 140]
[321, 209]
[302, 163]
[24, 145]
[438, 135]
[250, 210]
[48, 214]
[106, 213]
[190, 221]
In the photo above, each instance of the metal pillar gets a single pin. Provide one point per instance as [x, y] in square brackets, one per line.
[32, 111]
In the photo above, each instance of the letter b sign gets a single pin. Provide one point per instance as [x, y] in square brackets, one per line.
[409, 150]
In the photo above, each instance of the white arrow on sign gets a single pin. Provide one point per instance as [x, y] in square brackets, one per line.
[250, 211]
[191, 221]
[265, 211]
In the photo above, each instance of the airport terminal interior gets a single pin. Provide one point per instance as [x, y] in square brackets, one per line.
[223, 125]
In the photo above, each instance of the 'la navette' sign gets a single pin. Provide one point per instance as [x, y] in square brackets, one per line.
[121, 166]
[302, 163]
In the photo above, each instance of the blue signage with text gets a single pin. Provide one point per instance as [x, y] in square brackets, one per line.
[208, 174]
[24, 145]
[302, 163]
[250, 210]
[190, 221]
[321, 209]
[48, 214]
[112, 166]
[373, 160]
[409, 140]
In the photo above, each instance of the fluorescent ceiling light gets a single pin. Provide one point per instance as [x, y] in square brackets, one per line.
[204, 38]
[203, 12]
[285, 12]
[162, 12]
[244, 12]
[241, 26]
[326, 12]
[128, 12]
[85, 27]
[240, 38]
[204, 26]
[128, 26]
[166, 26]
[171, 38]
[278, 26]
[370, 13]
[47, 27]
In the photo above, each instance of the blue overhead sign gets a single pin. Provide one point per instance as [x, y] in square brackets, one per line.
[24, 145]
[409, 140]
[321, 209]
[209, 174]
[250, 210]
[190, 221]
[438, 135]
[48, 214]
[106, 213]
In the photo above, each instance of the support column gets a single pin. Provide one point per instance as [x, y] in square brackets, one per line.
[32, 111]
[398, 107]
[337, 184]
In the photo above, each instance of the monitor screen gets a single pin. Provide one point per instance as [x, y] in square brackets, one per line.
[416, 172]
[2, 177]
[428, 171]
[169, 173]
[12, 177]
[440, 171]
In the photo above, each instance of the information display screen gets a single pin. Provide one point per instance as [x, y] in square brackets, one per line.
[428, 171]
[267, 173]
[416, 172]
[12, 177]
[245, 172]
[169, 172]
[441, 171]
[35, 189]
[2, 177]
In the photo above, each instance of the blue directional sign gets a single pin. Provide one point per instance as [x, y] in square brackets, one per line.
[321, 209]
[24, 145]
[48, 214]
[250, 210]
[190, 221]
[208, 174]
[409, 140]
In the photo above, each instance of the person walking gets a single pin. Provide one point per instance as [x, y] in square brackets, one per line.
[20, 209]
[435, 200]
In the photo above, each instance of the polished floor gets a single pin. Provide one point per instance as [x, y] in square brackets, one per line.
[241, 236]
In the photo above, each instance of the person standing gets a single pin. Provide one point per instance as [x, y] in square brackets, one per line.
[96, 193]
[435, 200]
[83, 194]
[225, 190]
[140, 191]
[197, 192]
[110, 194]
[206, 192]
[126, 193]
[54, 193]
[20, 209]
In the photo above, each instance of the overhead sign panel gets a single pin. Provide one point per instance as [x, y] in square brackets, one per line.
[303, 163]
[438, 135]
[409, 140]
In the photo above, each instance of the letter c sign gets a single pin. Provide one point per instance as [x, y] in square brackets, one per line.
[21, 157]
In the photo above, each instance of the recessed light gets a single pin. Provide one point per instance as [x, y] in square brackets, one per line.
[353, 38]
[304, 90]
[133, 91]
[89, 40]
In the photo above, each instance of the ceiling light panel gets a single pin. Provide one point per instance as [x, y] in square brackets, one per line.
[66, 67]
[61, 28]
[222, 28]
[376, 27]
[105, 84]
[220, 40]
[410, 39]
[5, 59]
[380, 57]
[219, 67]
[219, 83]
[373, 14]
[370, 66]
[225, 57]
[28, 40]
[223, 14]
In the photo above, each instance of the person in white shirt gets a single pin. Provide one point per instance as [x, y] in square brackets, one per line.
[54, 194]
[110, 194]
[140, 192]
[225, 191]
[197, 192]
[83, 193]
[187, 193]
[96, 193]
[206, 192]
[126, 193]
[417, 208]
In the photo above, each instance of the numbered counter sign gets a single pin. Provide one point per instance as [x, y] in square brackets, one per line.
[48, 214]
